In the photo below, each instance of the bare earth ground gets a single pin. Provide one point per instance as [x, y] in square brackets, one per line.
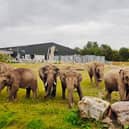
[51, 113]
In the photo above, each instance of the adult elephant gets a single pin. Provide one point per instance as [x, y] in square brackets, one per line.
[96, 70]
[48, 74]
[19, 78]
[70, 79]
[117, 80]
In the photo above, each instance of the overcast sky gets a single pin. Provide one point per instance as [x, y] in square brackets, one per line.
[68, 22]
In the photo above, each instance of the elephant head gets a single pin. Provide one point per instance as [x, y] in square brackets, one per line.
[99, 71]
[124, 76]
[48, 75]
[5, 80]
[70, 80]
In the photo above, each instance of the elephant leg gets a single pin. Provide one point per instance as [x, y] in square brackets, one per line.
[8, 89]
[96, 83]
[2, 87]
[122, 92]
[79, 92]
[63, 90]
[34, 91]
[12, 93]
[70, 98]
[127, 94]
[15, 95]
[28, 92]
[108, 95]
[91, 78]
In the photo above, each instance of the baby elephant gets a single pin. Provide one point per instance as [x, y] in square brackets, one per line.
[19, 78]
[117, 80]
[70, 80]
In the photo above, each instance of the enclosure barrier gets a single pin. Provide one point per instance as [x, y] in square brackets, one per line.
[79, 58]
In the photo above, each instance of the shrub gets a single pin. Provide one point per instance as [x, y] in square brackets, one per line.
[73, 118]
[4, 58]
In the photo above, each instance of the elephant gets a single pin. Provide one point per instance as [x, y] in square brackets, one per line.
[70, 79]
[117, 80]
[96, 70]
[48, 74]
[19, 78]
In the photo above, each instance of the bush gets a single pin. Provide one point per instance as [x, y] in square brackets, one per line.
[5, 58]
[73, 118]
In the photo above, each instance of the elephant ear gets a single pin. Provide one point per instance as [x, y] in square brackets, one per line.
[42, 72]
[62, 76]
[121, 73]
[9, 78]
[95, 66]
[57, 70]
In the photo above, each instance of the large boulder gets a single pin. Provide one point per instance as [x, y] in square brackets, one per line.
[92, 107]
[120, 111]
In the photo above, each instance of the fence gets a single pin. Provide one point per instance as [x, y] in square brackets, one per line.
[79, 58]
[68, 59]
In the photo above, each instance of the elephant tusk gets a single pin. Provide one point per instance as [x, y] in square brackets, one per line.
[46, 84]
[54, 83]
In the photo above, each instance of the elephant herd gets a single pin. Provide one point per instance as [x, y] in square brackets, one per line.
[15, 78]
[70, 79]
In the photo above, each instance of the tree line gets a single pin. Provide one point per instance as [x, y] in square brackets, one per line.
[92, 48]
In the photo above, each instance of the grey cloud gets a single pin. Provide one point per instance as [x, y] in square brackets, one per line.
[66, 21]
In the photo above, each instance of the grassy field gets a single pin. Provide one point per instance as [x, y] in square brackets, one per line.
[51, 113]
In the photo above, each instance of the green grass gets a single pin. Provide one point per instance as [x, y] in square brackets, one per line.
[50, 113]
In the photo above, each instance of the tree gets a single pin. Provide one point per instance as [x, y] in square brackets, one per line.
[91, 48]
[106, 51]
[115, 55]
[77, 50]
[5, 58]
[124, 54]
[92, 44]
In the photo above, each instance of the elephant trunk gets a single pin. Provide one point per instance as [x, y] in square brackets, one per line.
[49, 85]
[1, 87]
[48, 91]
[70, 83]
